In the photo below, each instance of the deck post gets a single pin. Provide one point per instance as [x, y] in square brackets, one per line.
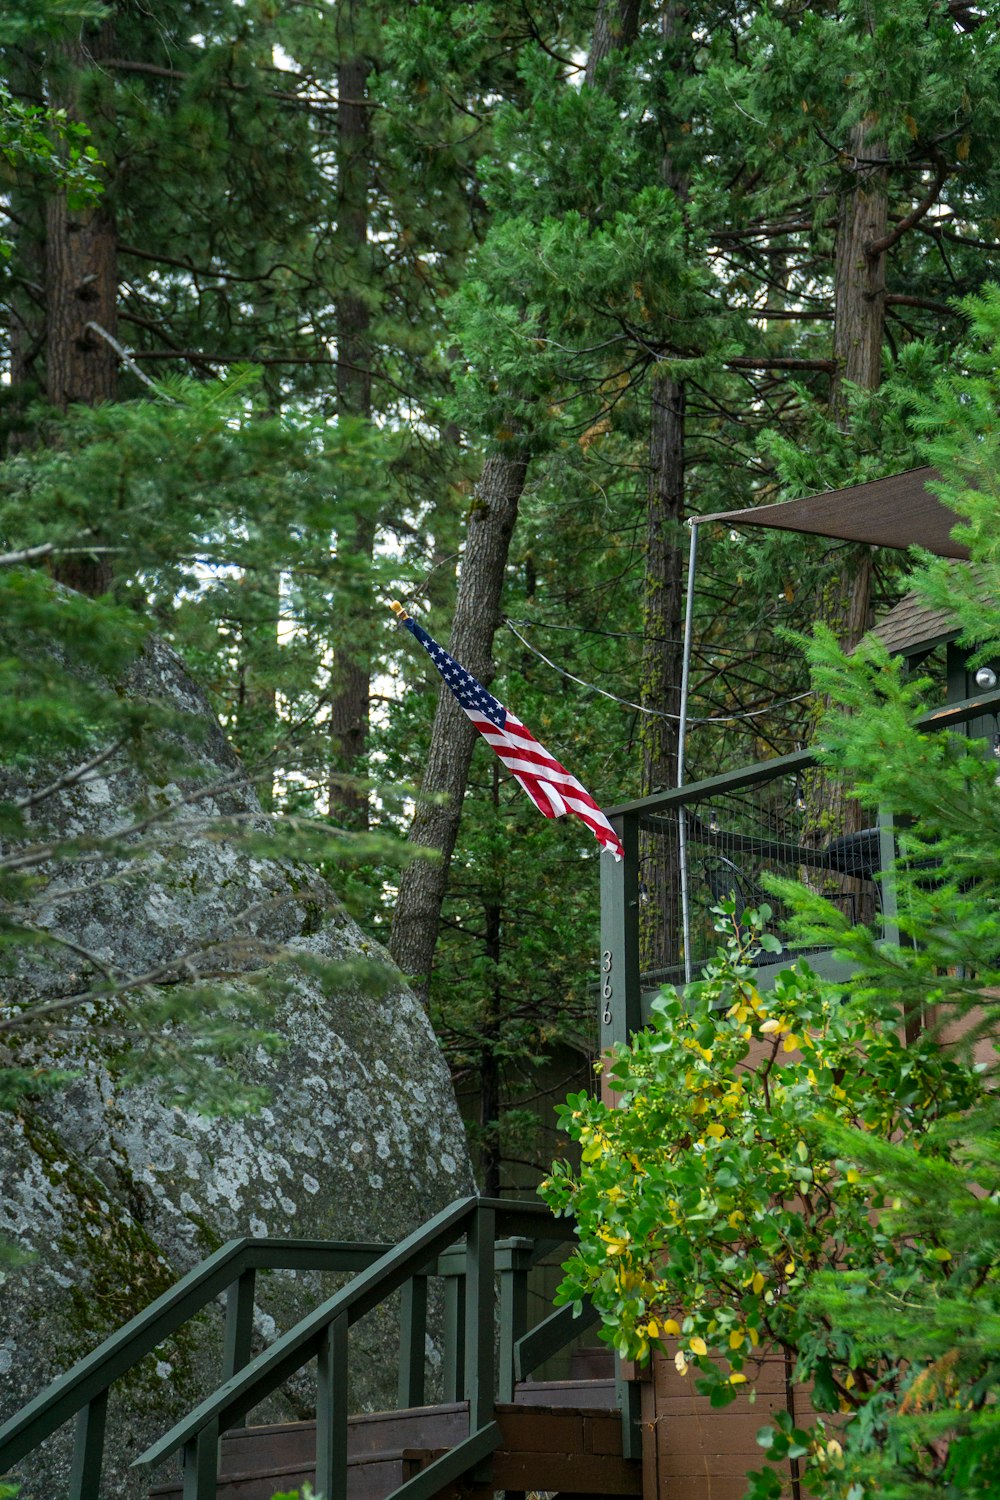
[331, 1412]
[620, 1008]
[88, 1449]
[201, 1464]
[412, 1341]
[479, 1315]
[239, 1327]
[513, 1263]
[451, 1269]
[628, 1395]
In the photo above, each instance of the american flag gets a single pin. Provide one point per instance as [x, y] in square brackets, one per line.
[549, 785]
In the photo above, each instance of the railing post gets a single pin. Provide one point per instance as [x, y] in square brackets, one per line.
[88, 1449]
[412, 1341]
[201, 1464]
[620, 1013]
[451, 1269]
[479, 1316]
[887, 872]
[513, 1263]
[239, 1327]
[628, 1396]
[331, 1412]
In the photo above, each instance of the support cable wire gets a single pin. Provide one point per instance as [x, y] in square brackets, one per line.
[656, 713]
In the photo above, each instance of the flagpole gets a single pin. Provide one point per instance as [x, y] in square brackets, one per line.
[681, 737]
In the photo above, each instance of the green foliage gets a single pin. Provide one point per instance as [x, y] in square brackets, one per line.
[727, 1179]
[220, 522]
[817, 1167]
[49, 145]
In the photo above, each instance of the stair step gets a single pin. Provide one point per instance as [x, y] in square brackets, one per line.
[597, 1363]
[561, 1448]
[599, 1395]
[442, 1426]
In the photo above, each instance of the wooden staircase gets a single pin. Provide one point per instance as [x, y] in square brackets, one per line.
[496, 1427]
[558, 1436]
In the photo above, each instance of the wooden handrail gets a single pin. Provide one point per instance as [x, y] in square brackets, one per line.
[949, 715]
[87, 1380]
[322, 1335]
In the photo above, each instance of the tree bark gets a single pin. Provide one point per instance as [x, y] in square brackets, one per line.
[662, 660]
[81, 270]
[859, 277]
[615, 26]
[81, 299]
[662, 623]
[351, 686]
[858, 330]
[477, 615]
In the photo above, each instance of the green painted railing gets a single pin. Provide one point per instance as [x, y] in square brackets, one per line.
[471, 1246]
[82, 1393]
[500, 1237]
[673, 815]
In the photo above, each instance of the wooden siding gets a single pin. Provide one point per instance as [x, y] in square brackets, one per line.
[692, 1451]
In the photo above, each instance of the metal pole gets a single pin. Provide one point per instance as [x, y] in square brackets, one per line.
[681, 737]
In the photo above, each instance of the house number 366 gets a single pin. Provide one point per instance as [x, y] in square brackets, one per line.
[606, 990]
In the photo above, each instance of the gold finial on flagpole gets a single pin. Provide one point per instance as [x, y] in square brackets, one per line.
[398, 610]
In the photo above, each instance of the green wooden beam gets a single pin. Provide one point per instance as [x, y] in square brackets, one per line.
[514, 1260]
[88, 1449]
[412, 1342]
[620, 1001]
[479, 1317]
[946, 717]
[331, 1411]
[551, 1335]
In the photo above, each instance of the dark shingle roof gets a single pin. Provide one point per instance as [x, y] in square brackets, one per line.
[915, 623]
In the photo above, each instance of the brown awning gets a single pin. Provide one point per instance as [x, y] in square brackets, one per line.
[899, 511]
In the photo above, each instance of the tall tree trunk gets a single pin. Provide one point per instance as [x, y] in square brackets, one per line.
[858, 329]
[349, 703]
[662, 624]
[859, 322]
[859, 276]
[490, 1103]
[477, 615]
[615, 26]
[81, 271]
[661, 663]
[81, 300]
